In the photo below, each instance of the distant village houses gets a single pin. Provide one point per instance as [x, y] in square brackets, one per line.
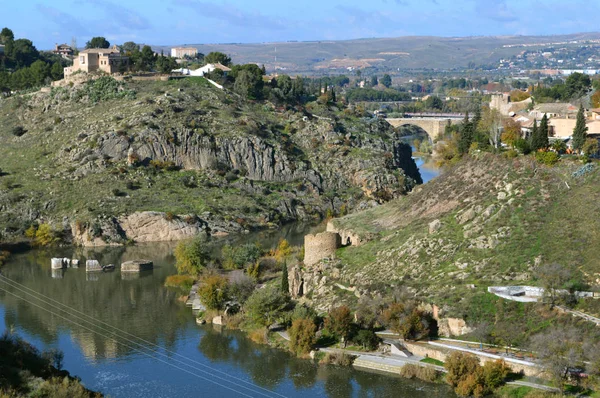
[108, 60]
[182, 52]
[63, 50]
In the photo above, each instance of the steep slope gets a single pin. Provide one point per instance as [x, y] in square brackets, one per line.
[488, 221]
[89, 155]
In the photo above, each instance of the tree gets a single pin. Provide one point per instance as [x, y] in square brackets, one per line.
[386, 80]
[553, 278]
[129, 48]
[491, 123]
[146, 59]
[512, 131]
[6, 35]
[433, 102]
[580, 131]
[216, 57]
[265, 305]
[559, 349]
[406, 320]
[577, 85]
[590, 147]
[39, 72]
[339, 322]
[466, 136]
[539, 136]
[97, 42]
[191, 256]
[248, 85]
[57, 71]
[459, 366]
[367, 339]
[213, 292]
[374, 81]
[285, 284]
[302, 335]
[23, 53]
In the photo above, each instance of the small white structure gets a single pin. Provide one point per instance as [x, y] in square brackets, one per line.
[203, 70]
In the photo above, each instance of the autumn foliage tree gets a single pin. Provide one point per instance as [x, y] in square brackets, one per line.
[470, 379]
[339, 322]
[302, 335]
[213, 292]
[406, 320]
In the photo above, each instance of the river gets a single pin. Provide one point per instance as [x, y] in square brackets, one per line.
[129, 336]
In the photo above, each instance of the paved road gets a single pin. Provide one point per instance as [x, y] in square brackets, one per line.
[533, 385]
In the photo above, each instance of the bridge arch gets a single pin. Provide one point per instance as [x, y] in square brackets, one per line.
[434, 127]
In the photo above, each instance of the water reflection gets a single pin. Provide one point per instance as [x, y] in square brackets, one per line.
[138, 305]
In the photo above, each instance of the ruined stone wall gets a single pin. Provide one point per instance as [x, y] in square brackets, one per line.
[320, 246]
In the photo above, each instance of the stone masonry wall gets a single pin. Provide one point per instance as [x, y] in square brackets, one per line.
[320, 246]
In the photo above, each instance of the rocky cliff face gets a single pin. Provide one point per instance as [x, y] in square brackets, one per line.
[185, 149]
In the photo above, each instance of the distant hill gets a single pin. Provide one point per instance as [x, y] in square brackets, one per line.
[411, 52]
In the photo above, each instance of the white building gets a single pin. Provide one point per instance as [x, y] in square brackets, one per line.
[181, 52]
[202, 71]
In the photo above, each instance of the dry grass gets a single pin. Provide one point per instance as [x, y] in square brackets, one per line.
[337, 358]
[259, 335]
[427, 374]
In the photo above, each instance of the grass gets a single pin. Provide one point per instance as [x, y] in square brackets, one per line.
[432, 361]
[183, 282]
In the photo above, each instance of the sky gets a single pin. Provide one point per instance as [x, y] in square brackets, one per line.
[178, 22]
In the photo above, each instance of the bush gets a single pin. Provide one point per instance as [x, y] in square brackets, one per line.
[407, 320]
[167, 165]
[302, 336]
[191, 256]
[547, 158]
[18, 131]
[367, 339]
[427, 374]
[459, 366]
[241, 286]
[266, 305]
[239, 256]
[183, 282]
[42, 235]
[523, 146]
[213, 292]
[471, 379]
[283, 250]
[335, 358]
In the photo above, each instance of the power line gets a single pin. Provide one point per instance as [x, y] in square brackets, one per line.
[126, 345]
[127, 333]
[7, 280]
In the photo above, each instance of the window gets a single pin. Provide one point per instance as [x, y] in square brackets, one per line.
[82, 60]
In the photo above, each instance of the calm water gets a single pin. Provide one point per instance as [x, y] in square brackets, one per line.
[128, 336]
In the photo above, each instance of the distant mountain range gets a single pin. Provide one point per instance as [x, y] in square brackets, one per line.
[411, 52]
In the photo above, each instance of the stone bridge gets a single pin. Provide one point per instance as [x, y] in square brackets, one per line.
[434, 127]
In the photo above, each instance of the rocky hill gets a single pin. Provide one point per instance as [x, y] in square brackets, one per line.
[488, 221]
[108, 161]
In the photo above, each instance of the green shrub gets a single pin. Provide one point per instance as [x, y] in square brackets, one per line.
[547, 158]
[236, 257]
[367, 339]
[523, 146]
[191, 256]
[266, 305]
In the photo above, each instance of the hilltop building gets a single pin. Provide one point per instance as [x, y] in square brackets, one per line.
[108, 60]
[63, 50]
[182, 52]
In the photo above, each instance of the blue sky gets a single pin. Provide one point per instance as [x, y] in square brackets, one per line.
[168, 22]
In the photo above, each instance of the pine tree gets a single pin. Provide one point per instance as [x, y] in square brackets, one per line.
[544, 132]
[285, 284]
[466, 136]
[539, 136]
[580, 131]
[333, 98]
[534, 131]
